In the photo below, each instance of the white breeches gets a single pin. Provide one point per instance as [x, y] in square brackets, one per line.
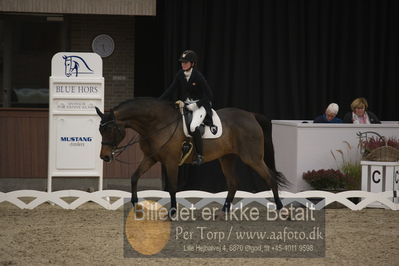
[198, 118]
[198, 114]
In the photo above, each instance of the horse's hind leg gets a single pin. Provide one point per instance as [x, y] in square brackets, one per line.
[260, 167]
[145, 164]
[227, 164]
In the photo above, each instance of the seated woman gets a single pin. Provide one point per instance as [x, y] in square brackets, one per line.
[359, 114]
[329, 115]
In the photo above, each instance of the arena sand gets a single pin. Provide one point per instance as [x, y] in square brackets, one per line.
[92, 235]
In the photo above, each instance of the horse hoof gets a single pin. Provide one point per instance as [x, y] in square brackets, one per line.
[172, 214]
[134, 201]
[220, 216]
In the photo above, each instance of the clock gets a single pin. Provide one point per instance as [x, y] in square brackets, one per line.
[103, 45]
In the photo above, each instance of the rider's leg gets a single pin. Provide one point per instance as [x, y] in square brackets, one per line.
[198, 118]
[197, 139]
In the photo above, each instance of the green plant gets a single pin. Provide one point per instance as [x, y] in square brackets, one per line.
[353, 173]
[351, 168]
[322, 179]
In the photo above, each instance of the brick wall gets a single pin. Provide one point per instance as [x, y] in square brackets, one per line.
[118, 68]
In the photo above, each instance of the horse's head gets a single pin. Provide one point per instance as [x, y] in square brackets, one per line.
[71, 66]
[112, 134]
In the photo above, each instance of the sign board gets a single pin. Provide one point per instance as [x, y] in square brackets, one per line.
[76, 88]
[380, 177]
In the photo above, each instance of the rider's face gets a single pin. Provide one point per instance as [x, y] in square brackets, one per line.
[186, 65]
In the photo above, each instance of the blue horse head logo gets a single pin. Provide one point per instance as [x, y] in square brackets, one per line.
[75, 65]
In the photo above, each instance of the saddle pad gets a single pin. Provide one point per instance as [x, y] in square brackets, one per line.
[207, 132]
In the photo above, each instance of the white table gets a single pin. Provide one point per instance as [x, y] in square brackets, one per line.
[301, 147]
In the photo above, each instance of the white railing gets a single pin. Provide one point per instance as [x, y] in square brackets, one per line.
[114, 199]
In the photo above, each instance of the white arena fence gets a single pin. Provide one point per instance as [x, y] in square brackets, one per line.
[114, 199]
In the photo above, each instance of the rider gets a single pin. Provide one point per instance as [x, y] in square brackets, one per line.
[190, 86]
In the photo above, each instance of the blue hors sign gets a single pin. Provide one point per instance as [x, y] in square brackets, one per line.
[76, 88]
[76, 65]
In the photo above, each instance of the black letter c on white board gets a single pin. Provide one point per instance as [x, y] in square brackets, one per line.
[373, 175]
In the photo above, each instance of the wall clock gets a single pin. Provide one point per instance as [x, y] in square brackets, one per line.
[103, 45]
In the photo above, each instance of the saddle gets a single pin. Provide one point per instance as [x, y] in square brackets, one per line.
[211, 127]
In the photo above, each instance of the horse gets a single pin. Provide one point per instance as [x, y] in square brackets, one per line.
[159, 125]
[76, 65]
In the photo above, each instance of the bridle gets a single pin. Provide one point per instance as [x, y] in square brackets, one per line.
[111, 124]
[116, 151]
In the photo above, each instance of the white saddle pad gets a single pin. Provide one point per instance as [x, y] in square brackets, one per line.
[207, 133]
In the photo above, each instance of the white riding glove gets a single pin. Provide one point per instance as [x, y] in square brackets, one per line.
[192, 106]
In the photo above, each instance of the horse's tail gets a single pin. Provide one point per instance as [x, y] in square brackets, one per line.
[269, 149]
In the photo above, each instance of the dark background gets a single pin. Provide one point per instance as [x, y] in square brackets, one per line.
[287, 59]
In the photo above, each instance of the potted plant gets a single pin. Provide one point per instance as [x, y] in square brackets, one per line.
[351, 168]
[328, 180]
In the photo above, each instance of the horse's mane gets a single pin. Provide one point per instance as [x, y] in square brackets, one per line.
[145, 106]
[142, 101]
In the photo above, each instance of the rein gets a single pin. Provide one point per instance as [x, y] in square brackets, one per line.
[119, 150]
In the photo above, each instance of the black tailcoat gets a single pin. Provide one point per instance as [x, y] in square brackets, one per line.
[196, 88]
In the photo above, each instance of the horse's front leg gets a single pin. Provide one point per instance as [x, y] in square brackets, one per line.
[145, 164]
[172, 171]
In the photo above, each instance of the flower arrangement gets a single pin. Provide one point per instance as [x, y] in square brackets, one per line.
[322, 179]
[373, 143]
[379, 148]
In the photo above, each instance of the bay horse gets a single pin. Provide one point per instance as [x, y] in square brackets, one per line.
[159, 125]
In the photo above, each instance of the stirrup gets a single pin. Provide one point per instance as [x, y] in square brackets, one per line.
[198, 160]
[187, 147]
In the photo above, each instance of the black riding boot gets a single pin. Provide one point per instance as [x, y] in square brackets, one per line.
[197, 139]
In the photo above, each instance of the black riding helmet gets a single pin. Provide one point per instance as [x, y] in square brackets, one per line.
[188, 56]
